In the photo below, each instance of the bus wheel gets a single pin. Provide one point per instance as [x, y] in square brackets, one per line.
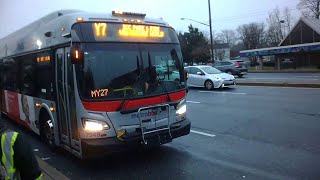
[47, 133]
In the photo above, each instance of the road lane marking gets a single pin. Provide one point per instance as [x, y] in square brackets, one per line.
[194, 102]
[202, 133]
[223, 92]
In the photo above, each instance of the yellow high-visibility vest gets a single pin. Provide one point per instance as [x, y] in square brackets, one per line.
[8, 169]
[7, 162]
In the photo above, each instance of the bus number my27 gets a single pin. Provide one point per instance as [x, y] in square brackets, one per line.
[99, 93]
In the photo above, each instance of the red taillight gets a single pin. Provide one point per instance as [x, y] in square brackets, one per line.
[237, 64]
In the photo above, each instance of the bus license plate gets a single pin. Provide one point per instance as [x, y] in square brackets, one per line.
[148, 118]
[150, 124]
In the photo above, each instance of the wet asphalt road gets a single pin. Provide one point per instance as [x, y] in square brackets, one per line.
[239, 133]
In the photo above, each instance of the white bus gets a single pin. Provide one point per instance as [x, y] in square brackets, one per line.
[89, 82]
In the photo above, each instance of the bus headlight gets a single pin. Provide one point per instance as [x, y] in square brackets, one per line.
[94, 125]
[181, 110]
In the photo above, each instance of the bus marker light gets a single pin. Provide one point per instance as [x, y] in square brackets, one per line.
[79, 19]
[117, 12]
[52, 109]
[121, 13]
[38, 104]
[125, 20]
[77, 54]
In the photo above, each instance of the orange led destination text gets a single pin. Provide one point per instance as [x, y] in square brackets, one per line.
[100, 29]
[43, 59]
[130, 30]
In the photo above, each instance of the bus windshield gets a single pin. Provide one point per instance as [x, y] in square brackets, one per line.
[119, 71]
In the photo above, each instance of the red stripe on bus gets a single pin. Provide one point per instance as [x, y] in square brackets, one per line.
[18, 120]
[178, 95]
[112, 106]
[102, 106]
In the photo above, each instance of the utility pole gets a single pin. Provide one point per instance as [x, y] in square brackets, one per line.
[211, 38]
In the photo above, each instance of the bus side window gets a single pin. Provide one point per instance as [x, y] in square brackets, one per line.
[27, 75]
[10, 75]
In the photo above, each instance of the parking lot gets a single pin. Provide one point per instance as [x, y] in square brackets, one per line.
[237, 133]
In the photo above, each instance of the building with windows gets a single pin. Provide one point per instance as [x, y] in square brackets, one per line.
[221, 52]
[300, 48]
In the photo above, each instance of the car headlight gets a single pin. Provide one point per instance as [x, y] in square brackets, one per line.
[94, 125]
[181, 110]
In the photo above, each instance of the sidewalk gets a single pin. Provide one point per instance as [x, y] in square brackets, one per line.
[50, 173]
[278, 83]
[284, 71]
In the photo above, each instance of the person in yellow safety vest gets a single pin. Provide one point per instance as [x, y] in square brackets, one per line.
[17, 158]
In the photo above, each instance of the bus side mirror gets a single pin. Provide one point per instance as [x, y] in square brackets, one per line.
[76, 54]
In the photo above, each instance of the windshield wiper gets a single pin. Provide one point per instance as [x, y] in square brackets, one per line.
[158, 79]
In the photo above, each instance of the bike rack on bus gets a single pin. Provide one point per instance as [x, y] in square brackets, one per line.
[155, 121]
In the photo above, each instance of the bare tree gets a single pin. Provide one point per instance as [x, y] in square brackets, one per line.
[227, 36]
[288, 20]
[220, 54]
[279, 25]
[252, 35]
[310, 8]
[274, 32]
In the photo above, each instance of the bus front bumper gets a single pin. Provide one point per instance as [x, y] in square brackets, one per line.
[100, 147]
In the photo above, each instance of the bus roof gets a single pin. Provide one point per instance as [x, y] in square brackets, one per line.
[56, 25]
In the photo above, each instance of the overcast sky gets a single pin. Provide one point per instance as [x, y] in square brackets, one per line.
[226, 14]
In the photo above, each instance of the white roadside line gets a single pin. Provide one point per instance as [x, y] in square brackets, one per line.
[195, 102]
[202, 133]
[223, 92]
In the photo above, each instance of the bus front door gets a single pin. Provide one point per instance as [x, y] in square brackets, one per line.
[67, 117]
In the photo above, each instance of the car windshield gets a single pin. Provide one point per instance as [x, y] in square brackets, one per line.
[210, 70]
[115, 70]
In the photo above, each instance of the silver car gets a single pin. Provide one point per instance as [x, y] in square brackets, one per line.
[208, 77]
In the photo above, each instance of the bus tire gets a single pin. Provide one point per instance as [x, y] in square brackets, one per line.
[46, 130]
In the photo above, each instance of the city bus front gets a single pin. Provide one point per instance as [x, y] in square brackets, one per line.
[131, 86]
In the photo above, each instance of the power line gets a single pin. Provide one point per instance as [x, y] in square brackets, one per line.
[257, 13]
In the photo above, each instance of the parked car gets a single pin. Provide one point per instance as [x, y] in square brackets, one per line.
[234, 67]
[287, 63]
[208, 77]
[245, 60]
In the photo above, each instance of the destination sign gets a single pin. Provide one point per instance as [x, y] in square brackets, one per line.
[124, 32]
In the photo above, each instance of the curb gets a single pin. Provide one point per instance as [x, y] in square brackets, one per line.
[284, 71]
[278, 84]
[49, 172]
